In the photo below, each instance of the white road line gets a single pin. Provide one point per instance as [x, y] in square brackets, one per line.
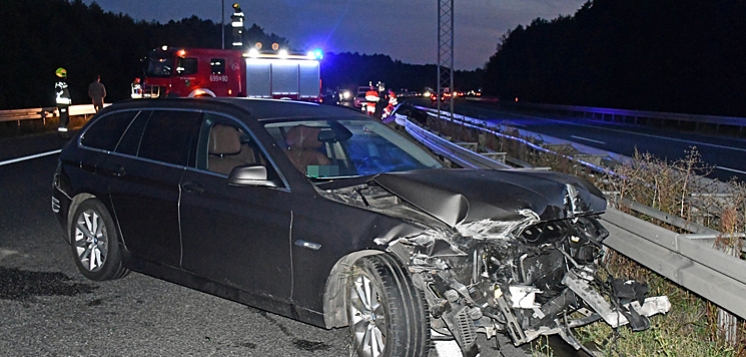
[6, 252]
[586, 139]
[31, 157]
[731, 170]
[696, 143]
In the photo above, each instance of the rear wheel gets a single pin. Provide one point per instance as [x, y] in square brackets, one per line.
[387, 314]
[95, 242]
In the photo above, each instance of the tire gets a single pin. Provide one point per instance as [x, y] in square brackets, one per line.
[387, 315]
[95, 242]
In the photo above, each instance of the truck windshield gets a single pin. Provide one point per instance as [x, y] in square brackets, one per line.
[159, 66]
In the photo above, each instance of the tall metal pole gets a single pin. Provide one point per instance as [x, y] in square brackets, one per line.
[445, 52]
[222, 23]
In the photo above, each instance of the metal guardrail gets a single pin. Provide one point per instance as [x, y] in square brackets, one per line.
[689, 260]
[636, 115]
[45, 112]
[682, 258]
[25, 114]
[454, 152]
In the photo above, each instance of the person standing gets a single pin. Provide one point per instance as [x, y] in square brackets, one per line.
[62, 100]
[97, 92]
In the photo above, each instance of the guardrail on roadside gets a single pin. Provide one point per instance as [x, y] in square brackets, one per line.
[26, 114]
[44, 113]
[689, 260]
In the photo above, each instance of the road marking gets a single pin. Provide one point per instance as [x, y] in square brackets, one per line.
[731, 170]
[696, 143]
[586, 139]
[6, 252]
[31, 157]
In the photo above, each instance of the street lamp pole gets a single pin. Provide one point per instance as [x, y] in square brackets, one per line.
[222, 22]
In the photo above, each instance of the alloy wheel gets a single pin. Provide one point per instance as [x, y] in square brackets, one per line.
[367, 317]
[91, 240]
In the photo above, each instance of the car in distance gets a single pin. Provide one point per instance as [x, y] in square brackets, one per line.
[329, 217]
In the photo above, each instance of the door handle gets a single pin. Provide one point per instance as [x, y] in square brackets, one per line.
[307, 244]
[192, 187]
[118, 172]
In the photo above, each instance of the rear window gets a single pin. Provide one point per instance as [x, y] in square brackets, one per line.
[105, 132]
[162, 135]
[168, 135]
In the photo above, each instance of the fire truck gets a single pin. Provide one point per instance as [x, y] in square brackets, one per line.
[202, 72]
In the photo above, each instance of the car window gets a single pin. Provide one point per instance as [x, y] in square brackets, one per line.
[130, 142]
[168, 135]
[224, 144]
[105, 132]
[347, 148]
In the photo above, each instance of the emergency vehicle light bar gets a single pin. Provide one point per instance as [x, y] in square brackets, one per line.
[283, 54]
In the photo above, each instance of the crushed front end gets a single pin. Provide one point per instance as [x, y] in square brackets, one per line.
[526, 278]
[514, 252]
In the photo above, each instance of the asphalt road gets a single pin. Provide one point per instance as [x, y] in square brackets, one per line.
[726, 156]
[47, 308]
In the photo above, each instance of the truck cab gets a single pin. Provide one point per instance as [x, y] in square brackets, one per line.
[193, 73]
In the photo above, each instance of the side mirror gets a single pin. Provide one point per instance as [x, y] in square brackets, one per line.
[249, 175]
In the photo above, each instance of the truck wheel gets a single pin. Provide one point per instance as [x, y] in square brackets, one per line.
[387, 314]
[95, 242]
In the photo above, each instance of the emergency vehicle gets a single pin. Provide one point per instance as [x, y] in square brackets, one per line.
[202, 72]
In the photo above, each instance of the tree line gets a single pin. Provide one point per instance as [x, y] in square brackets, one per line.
[39, 36]
[685, 56]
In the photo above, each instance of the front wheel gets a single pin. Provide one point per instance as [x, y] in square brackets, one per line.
[95, 242]
[387, 314]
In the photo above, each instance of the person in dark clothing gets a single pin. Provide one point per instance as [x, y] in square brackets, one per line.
[381, 104]
[97, 92]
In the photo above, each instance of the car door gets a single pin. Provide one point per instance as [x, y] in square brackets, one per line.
[145, 172]
[235, 235]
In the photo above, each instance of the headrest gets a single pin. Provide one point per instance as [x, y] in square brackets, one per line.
[224, 140]
[303, 137]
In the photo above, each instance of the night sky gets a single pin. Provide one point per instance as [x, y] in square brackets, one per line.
[406, 30]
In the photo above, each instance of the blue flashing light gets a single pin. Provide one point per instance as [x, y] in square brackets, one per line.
[318, 54]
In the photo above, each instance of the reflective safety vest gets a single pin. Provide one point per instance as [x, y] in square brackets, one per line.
[63, 95]
[371, 96]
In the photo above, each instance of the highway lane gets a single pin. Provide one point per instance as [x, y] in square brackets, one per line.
[48, 308]
[726, 155]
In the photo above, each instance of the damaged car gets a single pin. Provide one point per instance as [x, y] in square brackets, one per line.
[329, 217]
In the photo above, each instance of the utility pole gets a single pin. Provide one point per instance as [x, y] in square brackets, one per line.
[445, 53]
[222, 23]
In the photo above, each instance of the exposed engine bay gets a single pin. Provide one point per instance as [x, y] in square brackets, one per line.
[526, 276]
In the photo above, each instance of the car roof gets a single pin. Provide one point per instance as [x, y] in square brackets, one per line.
[260, 109]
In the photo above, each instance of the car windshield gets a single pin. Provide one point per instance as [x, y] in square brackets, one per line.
[329, 149]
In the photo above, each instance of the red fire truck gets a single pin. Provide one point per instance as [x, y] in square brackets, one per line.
[195, 72]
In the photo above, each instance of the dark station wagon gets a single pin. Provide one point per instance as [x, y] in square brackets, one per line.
[329, 217]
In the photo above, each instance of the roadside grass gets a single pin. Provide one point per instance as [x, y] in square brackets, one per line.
[692, 327]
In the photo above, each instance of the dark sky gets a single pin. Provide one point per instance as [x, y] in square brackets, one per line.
[405, 29]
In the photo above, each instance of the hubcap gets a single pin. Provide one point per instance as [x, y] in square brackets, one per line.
[368, 320]
[91, 240]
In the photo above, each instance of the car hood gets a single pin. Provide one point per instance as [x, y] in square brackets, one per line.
[462, 196]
